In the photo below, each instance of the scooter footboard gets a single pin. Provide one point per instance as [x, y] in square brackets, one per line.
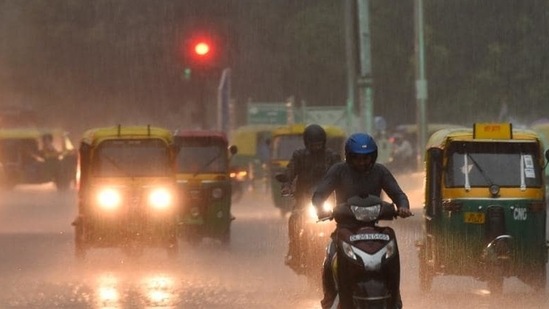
[371, 294]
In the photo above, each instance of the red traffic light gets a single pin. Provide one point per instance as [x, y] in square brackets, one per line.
[200, 51]
[203, 52]
[201, 48]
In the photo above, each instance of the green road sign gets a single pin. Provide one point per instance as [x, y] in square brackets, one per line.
[267, 113]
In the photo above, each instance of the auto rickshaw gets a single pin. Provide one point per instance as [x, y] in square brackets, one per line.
[36, 156]
[251, 161]
[285, 140]
[203, 177]
[127, 190]
[543, 131]
[485, 206]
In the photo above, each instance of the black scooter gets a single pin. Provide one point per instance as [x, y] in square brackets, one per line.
[311, 239]
[366, 266]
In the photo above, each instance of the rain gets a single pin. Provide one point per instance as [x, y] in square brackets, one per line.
[75, 65]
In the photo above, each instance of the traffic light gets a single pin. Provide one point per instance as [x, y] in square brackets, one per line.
[202, 55]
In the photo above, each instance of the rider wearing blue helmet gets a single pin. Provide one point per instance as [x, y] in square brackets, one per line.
[359, 175]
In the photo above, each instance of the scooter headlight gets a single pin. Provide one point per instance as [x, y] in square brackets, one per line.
[348, 250]
[160, 198]
[109, 198]
[326, 207]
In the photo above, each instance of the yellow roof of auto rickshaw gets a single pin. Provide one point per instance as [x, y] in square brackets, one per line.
[442, 138]
[245, 137]
[542, 130]
[299, 128]
[28, 133]
[97, 135]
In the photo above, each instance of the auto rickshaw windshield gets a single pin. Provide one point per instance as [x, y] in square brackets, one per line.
[479, 164]
[196, 157]
[12, 150]
[131, 158]
[284, 146]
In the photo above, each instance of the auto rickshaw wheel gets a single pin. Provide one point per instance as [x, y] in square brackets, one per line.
[191, 234]
[536, 278]
[80, 247]
[425, 272]
[225, 238]
[495, 283]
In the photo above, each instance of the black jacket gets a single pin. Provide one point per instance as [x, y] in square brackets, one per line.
[348, 182]
[307, 169]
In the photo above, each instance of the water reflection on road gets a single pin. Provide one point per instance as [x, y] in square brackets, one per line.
[39, 271]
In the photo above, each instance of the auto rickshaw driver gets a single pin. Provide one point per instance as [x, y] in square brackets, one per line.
[48, 148]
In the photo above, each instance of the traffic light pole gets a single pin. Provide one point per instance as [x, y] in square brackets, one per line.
[201, 101]
[365, 81]
[421, 82]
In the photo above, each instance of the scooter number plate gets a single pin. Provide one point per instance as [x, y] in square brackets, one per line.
[474, 217]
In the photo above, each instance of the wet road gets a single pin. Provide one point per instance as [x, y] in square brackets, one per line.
[38, 269]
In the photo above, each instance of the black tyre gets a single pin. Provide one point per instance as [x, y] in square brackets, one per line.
[225, 238]
[80, 247]
[425, 272]
[536, 278]
[192, 235]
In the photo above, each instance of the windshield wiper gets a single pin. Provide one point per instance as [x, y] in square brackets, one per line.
[482, 172]
[212, 160]
[113, 163]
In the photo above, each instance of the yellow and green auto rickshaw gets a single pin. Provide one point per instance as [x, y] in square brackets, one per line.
[485, 207]
[543, 131]
[251, 161]
[127, 190]
[203, 177]
[36, 156]
[284, 141]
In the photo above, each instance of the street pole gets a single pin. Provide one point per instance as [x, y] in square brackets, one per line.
[223, 101]
[365, 81]
[350, 43]
[421, 83]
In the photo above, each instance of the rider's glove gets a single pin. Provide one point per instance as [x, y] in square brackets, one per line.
[404, 212]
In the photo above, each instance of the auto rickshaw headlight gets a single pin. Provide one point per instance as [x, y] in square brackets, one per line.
[239, 175]
[109, 198]
[160, 198]
[217, 193]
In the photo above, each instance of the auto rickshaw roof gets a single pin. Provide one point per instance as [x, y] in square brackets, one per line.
[206, 134]
[245, 137]
[299, 128]
[442, 138]
[543, 130]
[97, 135]
[24, 133]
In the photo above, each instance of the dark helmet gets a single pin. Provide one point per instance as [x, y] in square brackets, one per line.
[314, 134]
[361, 143]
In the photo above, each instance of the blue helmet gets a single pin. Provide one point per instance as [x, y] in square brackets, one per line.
[360, 143]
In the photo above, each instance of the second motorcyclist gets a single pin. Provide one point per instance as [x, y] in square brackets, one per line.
[307, 166]
[359, 175]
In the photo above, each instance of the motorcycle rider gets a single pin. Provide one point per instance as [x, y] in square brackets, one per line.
[358, 175]
[307, 166]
